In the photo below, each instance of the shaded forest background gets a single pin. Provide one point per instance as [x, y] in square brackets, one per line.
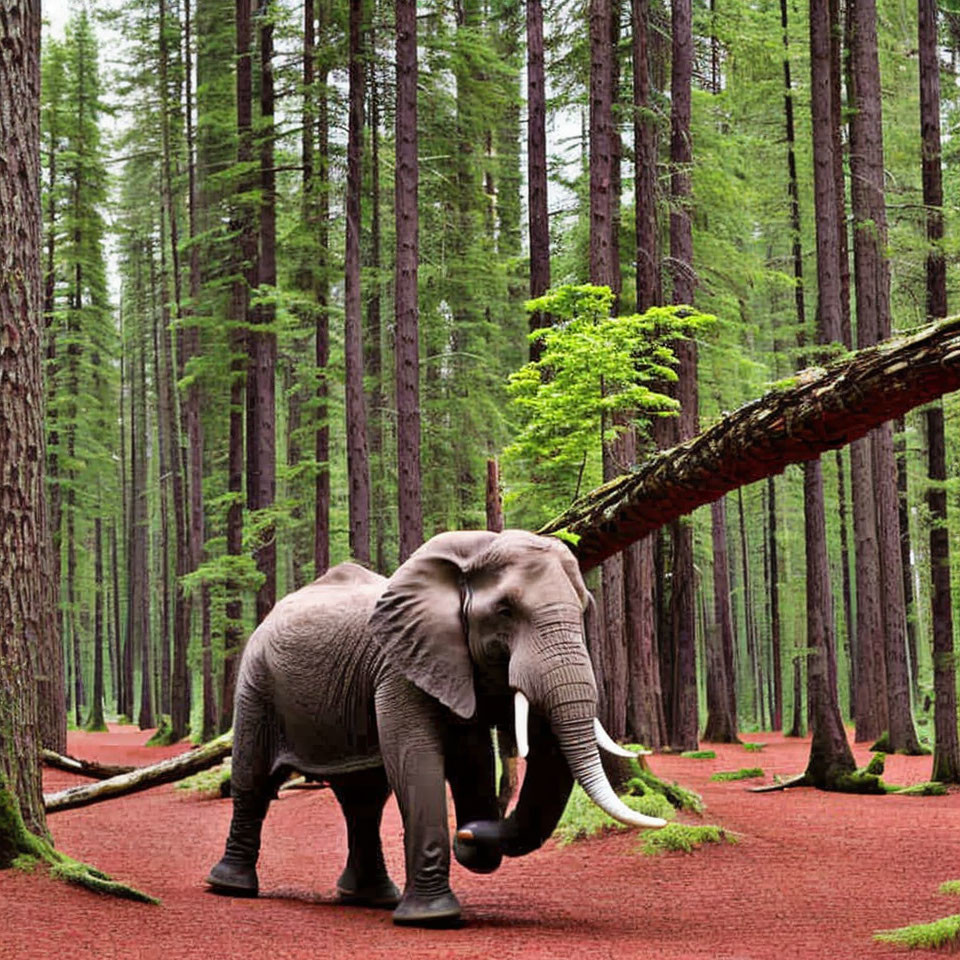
[287, 251]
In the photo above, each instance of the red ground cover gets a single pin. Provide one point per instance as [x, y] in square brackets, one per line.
[813, 876]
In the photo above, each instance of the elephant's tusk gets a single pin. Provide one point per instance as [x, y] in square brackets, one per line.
[606, 742]
[521, 711]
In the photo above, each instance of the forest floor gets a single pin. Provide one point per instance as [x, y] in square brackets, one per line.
[813, 876]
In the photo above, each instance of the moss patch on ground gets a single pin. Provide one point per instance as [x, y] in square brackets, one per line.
[929, 788]
[951, 887]
[26, 851]
[744, 773]
[164, 735]
[582, 818]
[753, 747]
[684, 838]
[924, 936]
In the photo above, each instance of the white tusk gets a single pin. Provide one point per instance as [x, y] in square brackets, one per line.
[521, 711]
[606, 742]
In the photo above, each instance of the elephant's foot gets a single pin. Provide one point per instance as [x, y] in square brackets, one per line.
[234, 879]
[374, 891]
[441, 911]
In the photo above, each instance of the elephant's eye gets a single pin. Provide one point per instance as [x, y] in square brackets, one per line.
[504, 609]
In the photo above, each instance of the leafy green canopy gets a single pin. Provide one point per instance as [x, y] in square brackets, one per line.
[597, 376]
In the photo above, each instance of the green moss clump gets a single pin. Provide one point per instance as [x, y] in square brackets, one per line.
[753, 747]
[644, 781]
[882, 744]
[209, 784]
[582, 818]
[924, 936]
[684, 838]
[930, 788]
[858, 782]
[876, 765]
[699, 754]
[164, 735]
[744, 773]
[950, 886]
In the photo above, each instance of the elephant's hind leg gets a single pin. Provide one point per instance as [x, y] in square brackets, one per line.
[365, 881]
[253, 784]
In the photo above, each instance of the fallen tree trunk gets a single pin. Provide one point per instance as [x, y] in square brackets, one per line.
[822, 410]
[86, 768]
[142, 778]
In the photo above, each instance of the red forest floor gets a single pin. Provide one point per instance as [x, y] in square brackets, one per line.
[813, 876]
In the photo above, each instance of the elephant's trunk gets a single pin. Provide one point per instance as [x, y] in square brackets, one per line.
[565, 692]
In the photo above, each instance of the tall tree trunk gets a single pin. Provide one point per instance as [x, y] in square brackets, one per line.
[192, 421]
[262, 344]
[374, 333]
[321, 437]
[27, 595]
[830, 754]
[721, 683]
[539, 222]
[776, 719]
[358, 466]
[95, 717]
[906, 550]
[749, 621]
[682, 713]
[248, 271]
[116, 659]
[946, 751]
[873, 323]
[410, 508]
[646, 154]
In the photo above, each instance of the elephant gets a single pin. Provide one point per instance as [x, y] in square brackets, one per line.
[374, 684]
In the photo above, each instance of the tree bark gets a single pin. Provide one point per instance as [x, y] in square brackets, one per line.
[262, 343]
[946, 751]
[873, 323]
[358, 466]
[27, 595]
[645, 154]
[539, 222]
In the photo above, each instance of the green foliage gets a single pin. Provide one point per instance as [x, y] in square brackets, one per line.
[596, 375]
[752, 746]
[744, 773]
[163, 736]
[951, 887]
[876, 765]
[924, 936]
[699, 754]
[684, 838]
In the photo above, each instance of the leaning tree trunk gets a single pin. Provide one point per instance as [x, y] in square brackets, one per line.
[824, 410]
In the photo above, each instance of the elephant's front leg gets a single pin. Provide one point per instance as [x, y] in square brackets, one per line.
[411, 741]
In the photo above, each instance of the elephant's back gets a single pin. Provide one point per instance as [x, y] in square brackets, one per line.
[318, 665]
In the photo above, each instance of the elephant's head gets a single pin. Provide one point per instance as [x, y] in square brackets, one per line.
[475, 617]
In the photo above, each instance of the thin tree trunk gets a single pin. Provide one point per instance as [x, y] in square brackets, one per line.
[262, 343]
[539, 223]
[358, 466]
[774, 582]
[906, 551]
[95, 717]
[247, 268]
[321, 439]
[494, 500]
[645, 152]
[749, 624]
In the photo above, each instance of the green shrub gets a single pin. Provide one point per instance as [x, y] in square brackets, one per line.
[924, 936]
[699, 755]
[684, 838]
[744, 773]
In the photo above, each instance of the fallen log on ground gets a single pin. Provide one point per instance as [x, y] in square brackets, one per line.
[142, 778]
[821, 410]
[86, 768]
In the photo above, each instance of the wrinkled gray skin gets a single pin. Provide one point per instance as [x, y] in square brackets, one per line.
[376, 684]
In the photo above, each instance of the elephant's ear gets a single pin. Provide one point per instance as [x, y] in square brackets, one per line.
[419, 621]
